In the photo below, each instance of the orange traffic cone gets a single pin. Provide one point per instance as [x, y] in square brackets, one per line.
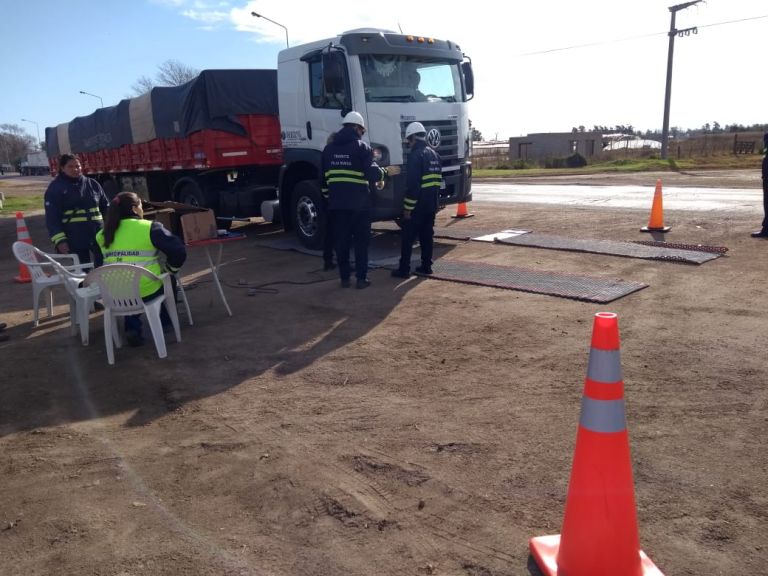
[599, 535]
[656, 221]
[462, 212]
[22, 235]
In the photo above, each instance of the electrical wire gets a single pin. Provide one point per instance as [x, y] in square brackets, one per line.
[640, 36]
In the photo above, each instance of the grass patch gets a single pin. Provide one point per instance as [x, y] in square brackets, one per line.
[21, 204]
[722, 162]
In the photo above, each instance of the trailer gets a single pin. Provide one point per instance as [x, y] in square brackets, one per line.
[249, 142]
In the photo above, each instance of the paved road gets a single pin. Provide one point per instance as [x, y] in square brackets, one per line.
[720, 199]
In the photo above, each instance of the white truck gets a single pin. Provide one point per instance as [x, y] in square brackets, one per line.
[35, 164]
[392, 80]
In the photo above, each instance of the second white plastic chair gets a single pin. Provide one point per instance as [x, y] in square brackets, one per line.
[121, 295]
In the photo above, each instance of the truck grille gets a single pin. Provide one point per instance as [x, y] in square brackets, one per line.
[449, 139]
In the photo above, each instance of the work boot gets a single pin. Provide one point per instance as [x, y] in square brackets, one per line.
[398, 273]
[424, 269]
[345, 283]
[134, 339]
[760, 234]
[362, 283]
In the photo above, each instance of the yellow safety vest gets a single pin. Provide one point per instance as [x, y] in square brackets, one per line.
[132, 245]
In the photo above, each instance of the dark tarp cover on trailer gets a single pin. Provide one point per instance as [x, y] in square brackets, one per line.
[106, 128]
[212, 100]
[52, 142]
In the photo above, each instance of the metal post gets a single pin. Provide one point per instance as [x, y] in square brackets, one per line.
[668, 91]
[39, 142]
[94, 95]
[257, 15]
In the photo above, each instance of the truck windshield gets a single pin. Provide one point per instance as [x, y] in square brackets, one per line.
[389, 78]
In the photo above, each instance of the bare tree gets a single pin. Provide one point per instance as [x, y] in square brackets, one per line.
[142, 85]
[14, 143]
[174, 73]
[169, 73]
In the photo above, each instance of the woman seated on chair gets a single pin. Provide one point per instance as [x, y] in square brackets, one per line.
[129, 239]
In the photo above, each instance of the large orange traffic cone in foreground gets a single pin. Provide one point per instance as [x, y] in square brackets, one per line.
[22, 235]
[656, 221]
[599, 535]
[462, 212]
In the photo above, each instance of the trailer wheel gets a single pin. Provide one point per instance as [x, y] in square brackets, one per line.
[110, 188]
[309, 218]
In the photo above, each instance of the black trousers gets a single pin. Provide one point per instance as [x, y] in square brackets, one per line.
[765, 205]
[420, 225]
[328, 241]
[352, 227]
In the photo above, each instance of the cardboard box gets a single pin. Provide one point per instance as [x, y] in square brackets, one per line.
[189, 222]
[198, 226]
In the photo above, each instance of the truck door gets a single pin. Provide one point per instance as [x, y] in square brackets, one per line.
[329, 95]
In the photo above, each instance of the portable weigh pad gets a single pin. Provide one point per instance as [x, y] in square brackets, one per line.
[575, 286]
[610, 247]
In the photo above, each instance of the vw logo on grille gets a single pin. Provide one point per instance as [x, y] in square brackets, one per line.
[433, 138]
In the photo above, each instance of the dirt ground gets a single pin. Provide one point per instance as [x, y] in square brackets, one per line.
[415, 428]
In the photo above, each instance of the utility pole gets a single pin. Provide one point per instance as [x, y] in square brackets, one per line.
[668, 92]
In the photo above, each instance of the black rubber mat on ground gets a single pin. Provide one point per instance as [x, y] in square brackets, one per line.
[611, 247]
[574, 286]
[674, 246]
[449, 232]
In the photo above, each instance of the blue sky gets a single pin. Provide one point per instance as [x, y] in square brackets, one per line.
[52, 50]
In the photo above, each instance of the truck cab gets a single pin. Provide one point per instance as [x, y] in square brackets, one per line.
[392, 80]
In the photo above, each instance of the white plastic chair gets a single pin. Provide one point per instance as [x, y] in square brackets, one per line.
[81, 299]
[38, 263]
[121, 295]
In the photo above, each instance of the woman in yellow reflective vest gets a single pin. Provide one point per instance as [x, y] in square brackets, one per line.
[129, 239]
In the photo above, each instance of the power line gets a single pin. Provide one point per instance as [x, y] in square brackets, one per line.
[638, 37]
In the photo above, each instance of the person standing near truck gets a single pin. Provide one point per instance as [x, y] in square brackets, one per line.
[763, 232]
[422, 194]
[75, 206]
[348, 171]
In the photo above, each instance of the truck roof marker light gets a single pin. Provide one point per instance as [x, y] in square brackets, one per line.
[420, 40]
[409, 38]
[431, 41]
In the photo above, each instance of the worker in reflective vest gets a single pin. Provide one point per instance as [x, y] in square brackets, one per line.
[348, 171]
[129, 239]
[422, 195]
[74, 209]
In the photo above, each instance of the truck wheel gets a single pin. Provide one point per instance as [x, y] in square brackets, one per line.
[309, 218]
[191, 194]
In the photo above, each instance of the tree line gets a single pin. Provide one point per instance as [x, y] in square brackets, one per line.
[675, 131]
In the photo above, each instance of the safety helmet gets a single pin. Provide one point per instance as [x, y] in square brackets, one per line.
[414, 128]
[354, 118]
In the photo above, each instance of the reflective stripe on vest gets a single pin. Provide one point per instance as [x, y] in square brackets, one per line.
[335, 175]
[81, 215]
[132, 245]
[429, 180]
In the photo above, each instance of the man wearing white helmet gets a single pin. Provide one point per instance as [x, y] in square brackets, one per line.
[424, 176]
[348, 172]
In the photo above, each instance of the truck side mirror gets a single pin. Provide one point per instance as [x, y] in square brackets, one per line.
[469, 79]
